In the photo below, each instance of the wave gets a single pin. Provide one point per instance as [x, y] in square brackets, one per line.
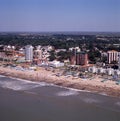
[69, 88]
[17, 85]
[33, 82]
[117, 103]
[14, 85]
[2, 76]
[21, 84]
[91, 100]
[67, 93]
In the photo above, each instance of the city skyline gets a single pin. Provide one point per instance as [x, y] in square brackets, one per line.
[59, 15]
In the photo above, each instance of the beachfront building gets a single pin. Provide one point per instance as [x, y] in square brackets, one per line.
[56, 64]
[72, 59]
[41, 54]
[119, 60]
[108, 71]
[81, 58]
[112, 56]
[29, 53]
[96, 70]
[38, 54]
[116, 72]
[92, 69]
[100, 70]
[74, 51]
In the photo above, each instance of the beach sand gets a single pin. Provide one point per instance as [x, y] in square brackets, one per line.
[95, 85]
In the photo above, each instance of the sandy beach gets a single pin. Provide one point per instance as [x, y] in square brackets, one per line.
[95, 85]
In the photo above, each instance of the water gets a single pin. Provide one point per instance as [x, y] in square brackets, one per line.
[22, 100]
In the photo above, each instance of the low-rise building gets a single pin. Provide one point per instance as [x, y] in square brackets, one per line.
[108, 71]
[56, 64]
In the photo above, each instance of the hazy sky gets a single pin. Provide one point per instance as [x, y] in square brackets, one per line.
[60, 15]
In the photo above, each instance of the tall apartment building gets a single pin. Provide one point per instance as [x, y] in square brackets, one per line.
[81, 58]
[119, 60]
[112, 56]
[73, 56]
[29, 53]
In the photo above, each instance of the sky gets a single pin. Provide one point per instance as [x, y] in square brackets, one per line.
[60, 15]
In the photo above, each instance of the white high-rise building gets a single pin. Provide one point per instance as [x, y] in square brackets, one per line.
[29, 53]
[112, 56]
[119, 60]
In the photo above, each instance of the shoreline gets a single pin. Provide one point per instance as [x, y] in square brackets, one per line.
[95, 85]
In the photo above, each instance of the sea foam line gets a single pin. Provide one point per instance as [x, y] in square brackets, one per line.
[51, 84]
[2, 76]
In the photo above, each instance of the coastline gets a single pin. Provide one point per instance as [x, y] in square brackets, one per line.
[95, 85]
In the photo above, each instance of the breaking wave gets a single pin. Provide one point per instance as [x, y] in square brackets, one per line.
[117, 103]
[67, 93]
[20, 84]
[2, 76]
[91, 100]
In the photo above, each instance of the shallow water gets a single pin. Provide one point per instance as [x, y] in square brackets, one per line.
[22, 100]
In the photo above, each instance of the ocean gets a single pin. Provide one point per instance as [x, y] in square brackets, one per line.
[22, 100]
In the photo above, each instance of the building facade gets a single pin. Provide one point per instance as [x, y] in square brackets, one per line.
[119, 60]
[81, 58]
[29, 53]
[112, 56]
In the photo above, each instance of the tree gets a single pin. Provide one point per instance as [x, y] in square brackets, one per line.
[63, 55]
[52, 56]
[104, 59]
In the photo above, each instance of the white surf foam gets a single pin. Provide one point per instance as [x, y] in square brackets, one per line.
[117, 103]
[33, 82]
[21, 84]
[67, 93]
[2, 76]
[46, 84]
[14, 85]
[91, 100]
[78, 90]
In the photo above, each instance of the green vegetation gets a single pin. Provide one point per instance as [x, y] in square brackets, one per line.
[93, 44]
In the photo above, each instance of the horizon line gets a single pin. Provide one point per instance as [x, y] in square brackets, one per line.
[58, 31]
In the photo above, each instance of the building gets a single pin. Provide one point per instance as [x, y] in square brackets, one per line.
[92, 69]
[56, 64]
[73, 56]
[41, 54]
[81, 58]
[29, 53]
[38, 54]
[112, 56]
[108, 71]
[73, 60]
[119, 60]
[75, 48]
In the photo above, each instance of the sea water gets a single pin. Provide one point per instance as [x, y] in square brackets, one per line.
[23, 100]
